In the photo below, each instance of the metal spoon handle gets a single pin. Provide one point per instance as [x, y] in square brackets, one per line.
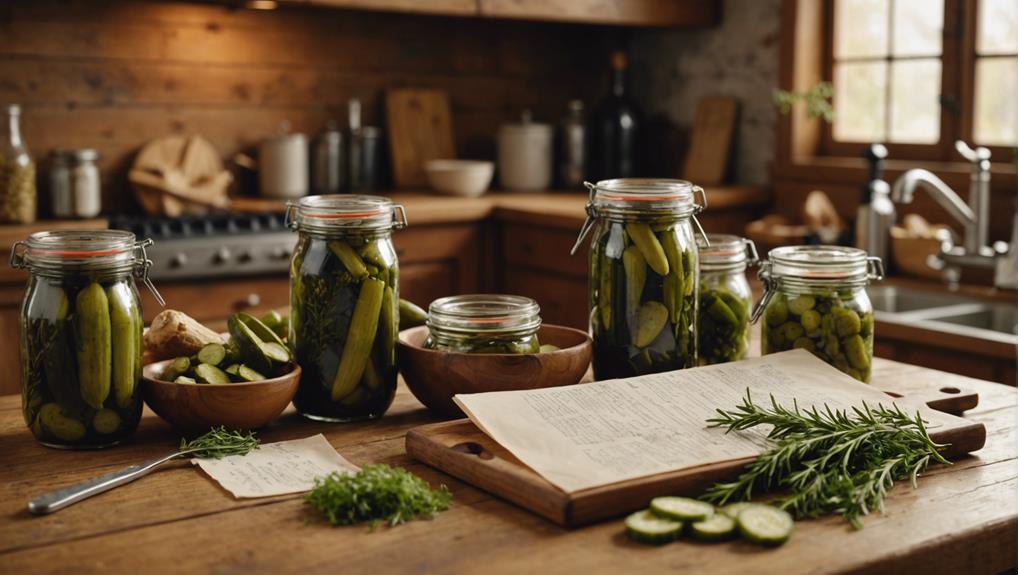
[57, 500]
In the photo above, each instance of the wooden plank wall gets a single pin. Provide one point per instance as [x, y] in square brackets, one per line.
[113, 74]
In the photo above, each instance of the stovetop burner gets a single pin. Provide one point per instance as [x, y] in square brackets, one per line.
[211, 225]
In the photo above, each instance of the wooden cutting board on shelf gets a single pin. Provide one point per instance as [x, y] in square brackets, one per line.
[460, 449]
[420, 129]
[710, 143]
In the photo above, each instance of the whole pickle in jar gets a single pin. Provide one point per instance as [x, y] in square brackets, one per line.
[60, 423]
[123, 341]
[92, 340]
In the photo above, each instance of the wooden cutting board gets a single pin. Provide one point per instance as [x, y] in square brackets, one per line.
[711, 141]
[463, 451]
[420, 129]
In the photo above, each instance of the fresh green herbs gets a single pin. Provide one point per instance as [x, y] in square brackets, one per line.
[828, 461]
[219, 443]
[376, 493]
[817, 98]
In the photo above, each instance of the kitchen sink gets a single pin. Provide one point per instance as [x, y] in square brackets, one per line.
[947, 313]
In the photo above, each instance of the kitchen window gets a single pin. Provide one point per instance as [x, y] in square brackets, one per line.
[920, 74]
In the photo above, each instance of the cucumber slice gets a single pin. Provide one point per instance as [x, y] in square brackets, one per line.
[211, 374]
[732, 510]
[248, 374]
[646, 527]
[184, 379]
[212, 354]
[681, 508]
[765, 525]
[717, 527]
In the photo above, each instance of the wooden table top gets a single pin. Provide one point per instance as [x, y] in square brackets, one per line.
[962, 519]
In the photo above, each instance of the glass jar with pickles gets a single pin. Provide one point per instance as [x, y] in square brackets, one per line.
[344, 305]
[644, 275]
[815, 299]
[81, 336]
[725, 298]
[483, 323]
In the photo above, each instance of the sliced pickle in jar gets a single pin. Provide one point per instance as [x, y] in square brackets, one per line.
[60, 423]
[653, 252]
[359, 338]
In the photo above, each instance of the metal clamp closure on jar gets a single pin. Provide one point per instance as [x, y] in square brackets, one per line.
[724, 252]
[101, 251]
[338, 212]
[815, 265]
[642, 196]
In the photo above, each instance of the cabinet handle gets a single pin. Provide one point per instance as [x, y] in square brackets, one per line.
[252, 300]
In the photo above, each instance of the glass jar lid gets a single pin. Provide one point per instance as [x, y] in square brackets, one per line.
[835, 263]
[344, 212]
[62, 251]
[484, 314]
[722, 252]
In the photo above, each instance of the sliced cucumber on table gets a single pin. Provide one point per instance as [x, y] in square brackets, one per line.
[765, 525]
[681, 508]
[647, 527]
[732, 510]
[717, 527]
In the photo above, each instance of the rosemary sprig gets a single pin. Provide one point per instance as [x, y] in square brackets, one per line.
[828, 461]
[219, 442]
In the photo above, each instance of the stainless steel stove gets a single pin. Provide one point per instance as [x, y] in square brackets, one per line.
[213, 246]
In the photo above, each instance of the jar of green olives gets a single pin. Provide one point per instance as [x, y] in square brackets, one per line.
[344, 305]
[81, 328]
[483, 323]
[644, 275]
[815, 299]
[725, 298]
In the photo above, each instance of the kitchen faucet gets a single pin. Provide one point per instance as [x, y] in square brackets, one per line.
[974, 215]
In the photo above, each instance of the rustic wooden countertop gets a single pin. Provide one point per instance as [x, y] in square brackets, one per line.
[962, 519]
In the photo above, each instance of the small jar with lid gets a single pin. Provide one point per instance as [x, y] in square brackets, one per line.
[344, 305]
[644, 275]
[75, 189]
[81, 336]
[725, 298]
[815, 299]
[484, 323]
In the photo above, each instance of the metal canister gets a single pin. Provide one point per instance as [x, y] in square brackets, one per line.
[327, 167]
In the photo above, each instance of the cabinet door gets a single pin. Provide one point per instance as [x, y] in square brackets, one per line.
[436, 261]
[211, 301]
[10, 352]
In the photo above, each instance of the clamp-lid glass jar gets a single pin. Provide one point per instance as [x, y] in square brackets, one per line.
[725, 298]
[644, 275]
[484, 323]
[81, 336]
[815, 299]
[344, 305]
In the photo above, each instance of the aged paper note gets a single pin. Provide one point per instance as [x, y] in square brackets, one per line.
[594, 434]
[276, 468]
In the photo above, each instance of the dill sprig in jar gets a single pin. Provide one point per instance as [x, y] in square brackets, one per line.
[815, 299]
[484, 323]
[725, 298]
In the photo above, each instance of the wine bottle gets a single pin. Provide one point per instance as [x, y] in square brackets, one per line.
[616, 128]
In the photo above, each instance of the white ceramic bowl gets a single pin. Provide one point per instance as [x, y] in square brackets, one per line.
[459, 177]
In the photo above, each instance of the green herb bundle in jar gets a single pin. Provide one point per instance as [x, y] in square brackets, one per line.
[484, 323]
[815, 299]
[725, 298]
[81, 336]
[344, 305]
[644, 275]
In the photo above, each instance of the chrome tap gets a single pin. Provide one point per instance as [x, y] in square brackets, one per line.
[974, 215]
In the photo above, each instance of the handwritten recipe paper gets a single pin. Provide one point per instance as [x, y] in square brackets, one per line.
[276, 468]
[594, 434]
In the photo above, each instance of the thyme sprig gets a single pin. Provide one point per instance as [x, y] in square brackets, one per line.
[828, 461]
[219, 442]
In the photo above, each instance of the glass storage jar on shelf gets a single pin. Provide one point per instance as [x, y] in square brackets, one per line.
[81, 328]
[344, 305]
[644, 275]
[484, 323]
[815, 299]
[17, 173]
[725, 298]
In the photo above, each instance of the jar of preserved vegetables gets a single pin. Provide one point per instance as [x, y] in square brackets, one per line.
[483, 323]
[344, 305]
[644, 275]
[17, 172]
[81, 327]
[725, 298]
[815, 299]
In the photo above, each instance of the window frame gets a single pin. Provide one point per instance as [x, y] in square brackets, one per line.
[967, 87]
[943, 149]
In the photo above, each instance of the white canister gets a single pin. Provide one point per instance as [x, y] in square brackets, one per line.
[283, 166]
[525, 155]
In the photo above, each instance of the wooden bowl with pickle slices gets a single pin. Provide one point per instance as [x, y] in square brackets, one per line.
[435, 376]
[200, 406]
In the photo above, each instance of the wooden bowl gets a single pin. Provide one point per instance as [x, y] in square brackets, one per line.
[199, 406]
[435, 376]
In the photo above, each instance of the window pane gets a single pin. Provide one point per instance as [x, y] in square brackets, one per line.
[860, 28]
[996, 106]
[915, 101]
[997, 27]
[859, 102]
[918, 27]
